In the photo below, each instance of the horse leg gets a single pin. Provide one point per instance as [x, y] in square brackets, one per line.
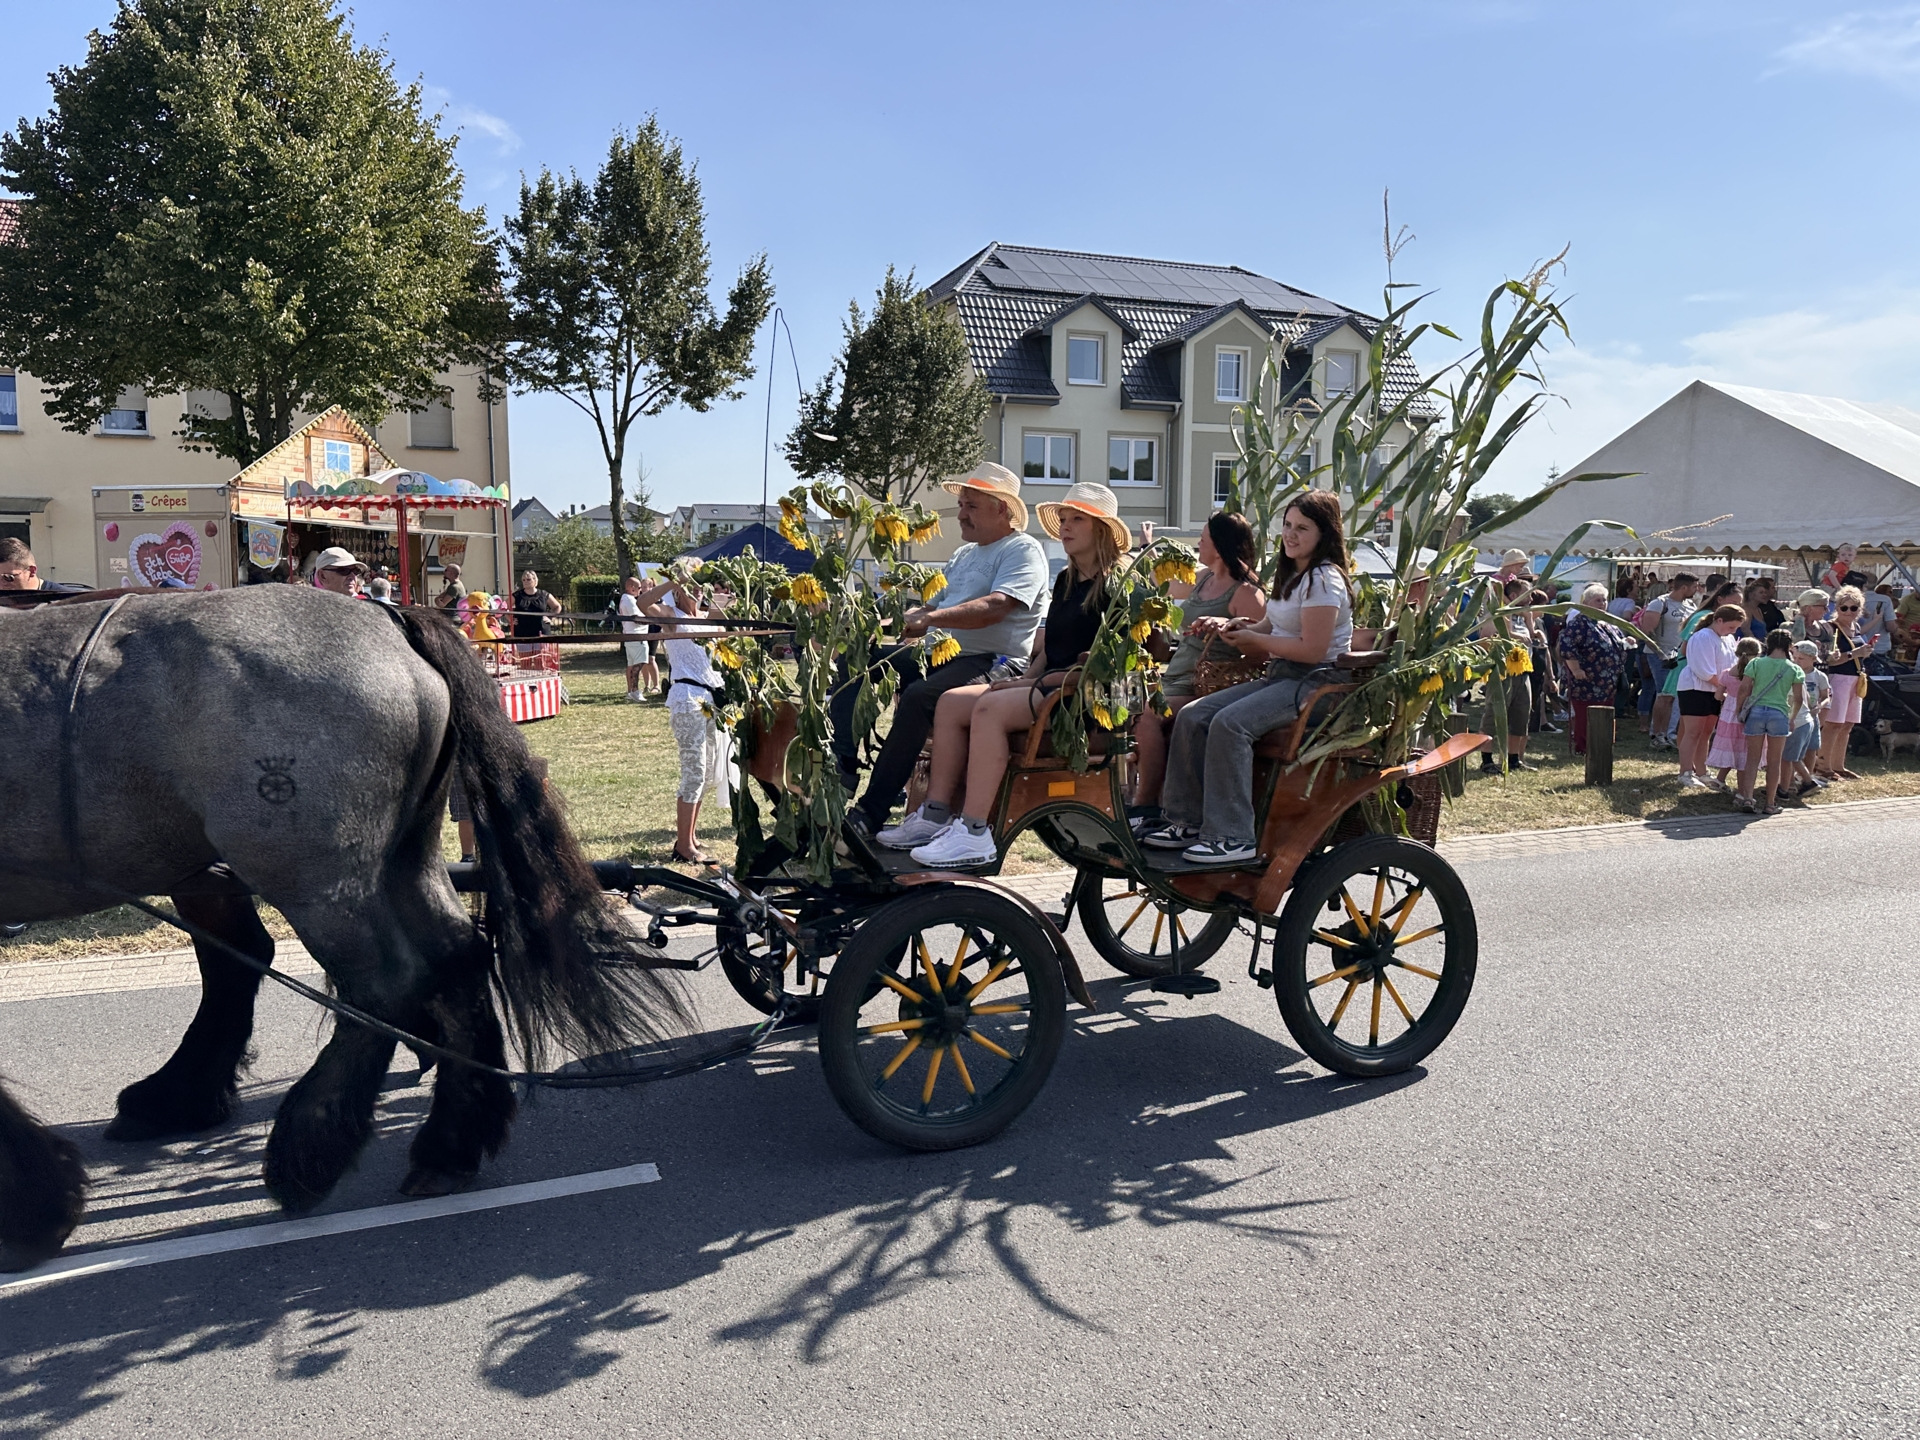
[326, 1118]
[472, 1111]
[43, 1188]
[195, 1090]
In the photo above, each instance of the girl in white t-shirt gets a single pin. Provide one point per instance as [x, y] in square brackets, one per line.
[1208, 796]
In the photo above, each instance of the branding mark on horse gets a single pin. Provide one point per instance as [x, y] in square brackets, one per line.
[276, 786]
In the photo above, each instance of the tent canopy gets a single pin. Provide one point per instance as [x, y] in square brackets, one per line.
[1788, 471]
[766, 543]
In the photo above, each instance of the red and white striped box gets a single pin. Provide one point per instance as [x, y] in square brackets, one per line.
[525, 700]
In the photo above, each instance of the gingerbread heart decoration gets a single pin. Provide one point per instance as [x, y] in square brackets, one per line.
[174, 555]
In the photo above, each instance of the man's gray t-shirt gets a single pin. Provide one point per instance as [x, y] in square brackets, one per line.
[1673, 614]
[1876, 619]
[1014, 566]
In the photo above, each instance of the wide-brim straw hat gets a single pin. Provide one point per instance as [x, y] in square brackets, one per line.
[1090, 499]
[1514, 557]
[337, 557]
[1813, 597]
[995, 480]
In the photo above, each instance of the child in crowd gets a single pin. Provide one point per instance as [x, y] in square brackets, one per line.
[1728, 752]
[1772, 690]
[1804, 743]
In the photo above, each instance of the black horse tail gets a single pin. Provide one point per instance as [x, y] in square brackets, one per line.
[569, 971]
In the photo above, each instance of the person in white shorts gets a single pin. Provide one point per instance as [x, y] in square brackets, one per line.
[643, 676]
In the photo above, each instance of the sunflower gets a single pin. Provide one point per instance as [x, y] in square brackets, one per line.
[724, 652]
[1432, 685]
[1102, 716]
[944, 650]
[1141, 630]
[794, 534]
[935, 583]
[1173, 567]
[807, 591]
[890, 528]
[1519, 662]
[927, 531]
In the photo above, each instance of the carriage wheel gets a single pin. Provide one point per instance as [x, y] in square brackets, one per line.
[950, 1048]
[1375, 955]
[1134, 932]
[762, 974]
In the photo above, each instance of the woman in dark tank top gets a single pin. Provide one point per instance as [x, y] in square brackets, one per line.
[973, 726]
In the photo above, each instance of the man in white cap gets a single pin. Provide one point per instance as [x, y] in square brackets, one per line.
[335, 569]
[994, 602]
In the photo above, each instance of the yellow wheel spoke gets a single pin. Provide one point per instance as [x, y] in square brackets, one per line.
[926, 963]
[892, 1025]
[933, 1074]
[1136, 911]
[905, 989]
[900, 1059]
[960, 1064]
[1179, 930]
[1379, 899]
[988, 979]
[959, 960]
[1423, 934]
[1159, 923]
[1417, 969]
[1373, 1030]
[1397, 1000]
[1333, 1022]
[1332, 939]
[999, 1009]
[1404, 911]
[1335, 975]
[981, 1040]
[1359, 920]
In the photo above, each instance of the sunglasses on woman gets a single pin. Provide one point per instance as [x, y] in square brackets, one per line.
[1843, 609]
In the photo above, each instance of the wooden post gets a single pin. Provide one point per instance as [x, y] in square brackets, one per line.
[1599, 744]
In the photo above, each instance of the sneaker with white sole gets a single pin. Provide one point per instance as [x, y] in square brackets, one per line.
[1221, 852]
[914, 831]
[1691, 781]
[1170, 837]
[957, 846]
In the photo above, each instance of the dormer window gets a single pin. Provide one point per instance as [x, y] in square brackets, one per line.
[1343, 372]
[1229, 376]
[1084, 360]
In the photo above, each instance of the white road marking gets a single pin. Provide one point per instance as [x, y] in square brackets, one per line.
[313, 1227]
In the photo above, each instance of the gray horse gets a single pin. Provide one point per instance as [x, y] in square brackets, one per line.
[304, 741]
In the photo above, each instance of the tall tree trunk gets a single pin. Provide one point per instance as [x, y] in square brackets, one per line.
[617, 507]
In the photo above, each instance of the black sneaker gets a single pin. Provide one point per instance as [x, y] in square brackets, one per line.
[13, 932]
[1171, 837]
[1520, 763]
[1224, 853]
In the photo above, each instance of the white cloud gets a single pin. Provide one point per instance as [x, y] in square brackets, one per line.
[473, 120]
[1879, 44]
[1860, 350]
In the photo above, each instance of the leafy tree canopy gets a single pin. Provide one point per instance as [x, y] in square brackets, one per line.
[901, 408]
[1481, 508]
[231, 196]
[609, 296]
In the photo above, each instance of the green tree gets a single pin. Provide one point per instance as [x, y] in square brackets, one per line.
[901, 408]
[574, 546]
[1481, 508]
[231, 196]
[609, 299]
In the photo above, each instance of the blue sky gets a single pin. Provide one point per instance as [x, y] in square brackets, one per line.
[1737, 181]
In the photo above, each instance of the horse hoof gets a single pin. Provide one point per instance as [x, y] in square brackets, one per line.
[422, 1183]
[16, 1255]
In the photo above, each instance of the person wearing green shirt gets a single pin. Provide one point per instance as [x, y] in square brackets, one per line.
[1772, 688]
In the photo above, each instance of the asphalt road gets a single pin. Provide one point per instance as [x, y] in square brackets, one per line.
[1659, 1182]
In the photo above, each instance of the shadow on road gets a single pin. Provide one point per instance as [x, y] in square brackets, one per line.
[1147, 1098]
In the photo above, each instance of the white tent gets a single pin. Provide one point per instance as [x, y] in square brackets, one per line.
[1789, 472]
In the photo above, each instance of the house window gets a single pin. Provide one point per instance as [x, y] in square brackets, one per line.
[1303, 461]
[1130, 462]
[1343, 372]
[1083, 360]
[432, 428]
[338, 456]
[129, 413]
[9, 402]
[1049, 458]
[1222, 479]
[1229, 375]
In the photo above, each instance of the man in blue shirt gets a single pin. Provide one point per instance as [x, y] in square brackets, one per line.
[993, 604]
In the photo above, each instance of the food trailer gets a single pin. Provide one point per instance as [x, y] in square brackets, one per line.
[178, 537]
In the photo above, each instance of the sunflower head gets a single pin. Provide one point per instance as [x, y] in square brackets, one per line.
[1432, 685]
[1140, 631]
[935, 583]
[724, 652]
[944, 650]
[807, 591]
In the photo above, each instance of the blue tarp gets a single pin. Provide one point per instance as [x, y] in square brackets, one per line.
[766, 543]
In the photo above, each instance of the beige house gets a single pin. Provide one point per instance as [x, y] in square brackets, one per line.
[1127, 372]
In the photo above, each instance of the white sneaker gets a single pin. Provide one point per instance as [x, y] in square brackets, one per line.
[633, 697]
[1691, 781]
[957, 846]
[913, 831]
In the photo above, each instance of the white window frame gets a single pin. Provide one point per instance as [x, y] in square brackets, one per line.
[1229, 461]
[1152, 442]
[1099, 343]
[1046, 464]
[12, 377]
[140, 431]
[1326, 380]
[1245, 357]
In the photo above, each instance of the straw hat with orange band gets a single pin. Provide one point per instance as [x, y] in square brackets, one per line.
[1089, 499]
[997, 481]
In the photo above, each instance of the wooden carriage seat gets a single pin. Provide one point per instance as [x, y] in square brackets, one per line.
[1283, 742]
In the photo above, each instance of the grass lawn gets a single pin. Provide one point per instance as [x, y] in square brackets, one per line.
[617, 767]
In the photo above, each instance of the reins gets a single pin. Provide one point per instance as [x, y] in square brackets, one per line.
[552, 1079]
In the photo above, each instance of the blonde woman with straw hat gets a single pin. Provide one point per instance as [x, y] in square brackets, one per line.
[973, 726]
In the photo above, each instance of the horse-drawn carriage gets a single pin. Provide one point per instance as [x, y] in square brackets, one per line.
[941, 996]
